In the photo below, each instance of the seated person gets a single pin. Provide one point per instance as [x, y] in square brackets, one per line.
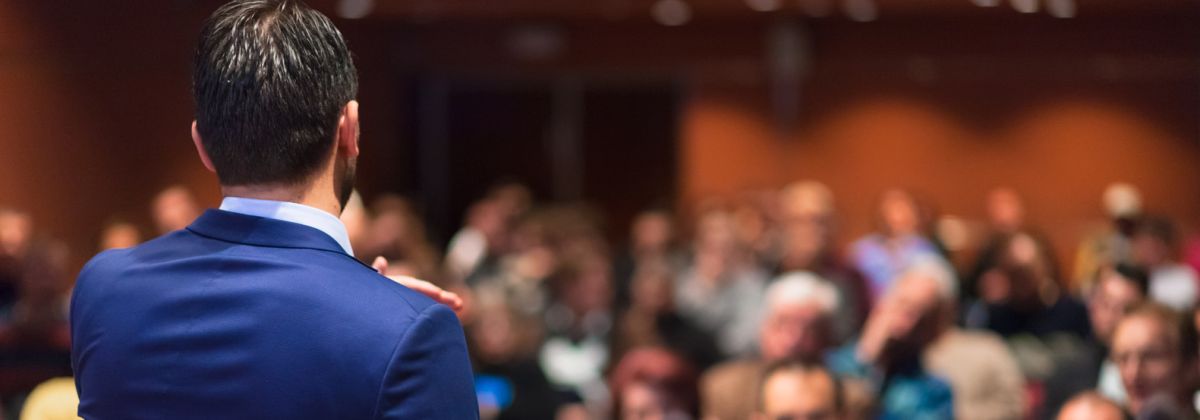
[793, 389]
[797, 325]
[1147, 349]
[887, 358]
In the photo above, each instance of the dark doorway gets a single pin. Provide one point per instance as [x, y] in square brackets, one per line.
[609, 144]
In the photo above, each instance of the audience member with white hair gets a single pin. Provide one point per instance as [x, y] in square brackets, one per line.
[796, 325]
[983, 374]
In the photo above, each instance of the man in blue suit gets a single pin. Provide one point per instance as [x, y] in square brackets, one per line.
[259, 310]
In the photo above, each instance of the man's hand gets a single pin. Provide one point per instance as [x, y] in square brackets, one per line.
[421, 286]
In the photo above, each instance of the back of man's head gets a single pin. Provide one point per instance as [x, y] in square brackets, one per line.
[271, 78]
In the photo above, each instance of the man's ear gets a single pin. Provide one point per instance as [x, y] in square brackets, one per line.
[347, 130]
[200, 149]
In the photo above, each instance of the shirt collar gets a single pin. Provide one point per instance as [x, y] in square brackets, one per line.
[292, 212]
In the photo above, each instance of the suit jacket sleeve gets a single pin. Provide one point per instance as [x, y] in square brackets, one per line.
[429, 376]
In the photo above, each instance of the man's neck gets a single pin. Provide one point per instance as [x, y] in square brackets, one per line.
[307, 195]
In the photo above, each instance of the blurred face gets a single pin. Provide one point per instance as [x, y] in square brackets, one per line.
[1148, 364]
[592, 291]
[641, 402]
[493, 335]
[1005, 210]
[652, 232]
[805, 238]
[120, 236]
[16, 231]
[652, 291]
[797, 330]
[899, 214]
[798, 395]
[174, 209]
[1149, 251]
[1114, 295]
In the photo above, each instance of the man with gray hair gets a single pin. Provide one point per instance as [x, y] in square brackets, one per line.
[796, 324]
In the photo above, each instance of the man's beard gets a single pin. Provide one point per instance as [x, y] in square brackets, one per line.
[344, 186]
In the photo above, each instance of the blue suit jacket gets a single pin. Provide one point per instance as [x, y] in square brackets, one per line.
[243, 317]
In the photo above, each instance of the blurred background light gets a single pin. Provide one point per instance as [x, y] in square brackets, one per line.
[817, 8]
[1025, 6]
[355, 9]
[1064, 9]
[764, 5]
[861, 10]
[671, 12]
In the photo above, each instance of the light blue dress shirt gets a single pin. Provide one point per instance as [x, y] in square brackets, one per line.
[292, 212]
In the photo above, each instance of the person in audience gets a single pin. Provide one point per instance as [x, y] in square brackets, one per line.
[887, 358]
[1147, 349]
[651, 320]
[720, 292]
[1155, 245]
[397, 234]
[652, 241]
[475, 250]
[509, 382]
[1091, 406]
[34, 285]
[807, 232]
[578, 325]
[1118, 289]
[792, 389]
[1111, 245]
[1021, 295]
[1048, 330]
[174, 208]
[983, 374]
[797, 324]
[1006, 216]
[653, 383]
[883, 256]
[119, 234]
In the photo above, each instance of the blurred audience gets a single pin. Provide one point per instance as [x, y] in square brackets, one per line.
[1110, 245]
[651, 320]
[174, 208]
[983, 374]
[753, 314]
[883, 255]
[721, 290]
[119, 234]
[653, 383]
[1090, 406]
[796, 325]
[1005, 217]
[886, 359]
[1115, 292]
[1155, 245]
[792, 389]
[807, 245]
[397, 233]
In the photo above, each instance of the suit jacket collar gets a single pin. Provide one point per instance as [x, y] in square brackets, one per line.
[261, 231]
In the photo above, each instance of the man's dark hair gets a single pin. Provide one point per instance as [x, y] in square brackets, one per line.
[270, 80]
